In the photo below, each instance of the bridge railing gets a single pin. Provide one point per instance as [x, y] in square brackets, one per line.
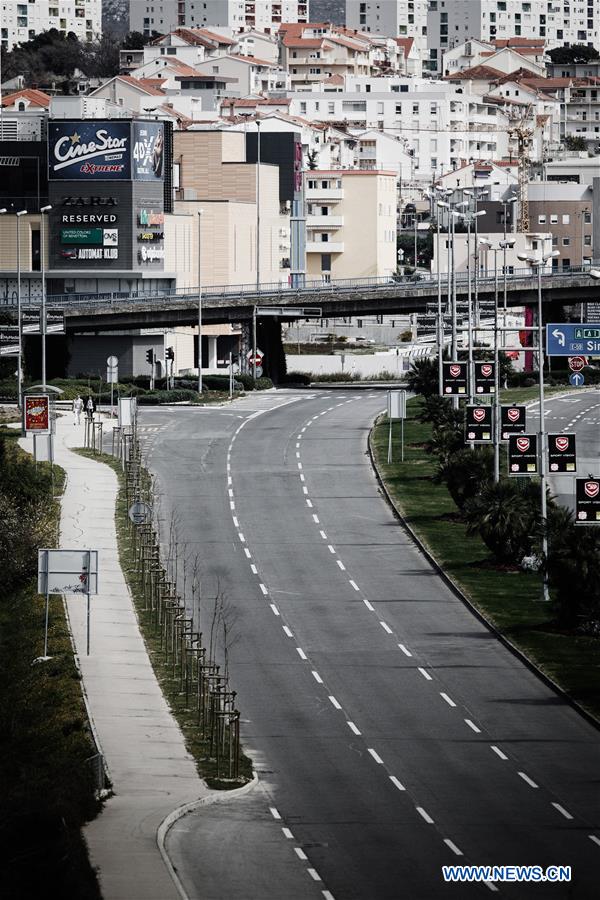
[249, 291]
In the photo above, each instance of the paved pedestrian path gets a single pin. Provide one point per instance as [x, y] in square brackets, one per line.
[151, 771]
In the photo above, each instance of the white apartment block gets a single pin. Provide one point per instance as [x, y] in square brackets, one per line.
[234, 15]
[20, 22]
[335, 202]
[451, 22]
[440, 125]
[393, 18]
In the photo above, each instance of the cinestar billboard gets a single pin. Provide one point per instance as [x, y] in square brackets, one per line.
[105, 150]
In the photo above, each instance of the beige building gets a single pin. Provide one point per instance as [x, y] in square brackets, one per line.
[215, 178]
[351, 223]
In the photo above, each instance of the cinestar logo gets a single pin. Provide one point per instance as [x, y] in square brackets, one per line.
[69, 149]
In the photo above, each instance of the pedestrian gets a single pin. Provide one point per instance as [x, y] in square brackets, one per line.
[90, 408]
[77, 409]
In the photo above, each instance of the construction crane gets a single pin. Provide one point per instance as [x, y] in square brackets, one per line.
[520, 129]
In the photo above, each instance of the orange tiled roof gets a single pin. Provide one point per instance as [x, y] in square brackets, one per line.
[35, 97]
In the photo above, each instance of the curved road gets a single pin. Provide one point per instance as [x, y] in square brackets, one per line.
[392, 733]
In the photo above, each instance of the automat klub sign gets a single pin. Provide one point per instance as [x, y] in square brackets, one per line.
[523, 454]
[455, 379]
[587, 501]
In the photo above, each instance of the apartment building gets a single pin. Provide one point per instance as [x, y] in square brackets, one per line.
[351, 223]
[313, 52]
[214, 177]
[233, 15]
[558, 22]
[395, 18]
[439, 124]
[20, 22]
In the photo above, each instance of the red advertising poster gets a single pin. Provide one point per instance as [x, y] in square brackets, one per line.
[37, 413]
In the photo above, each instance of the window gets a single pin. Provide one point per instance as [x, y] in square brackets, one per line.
[324, 210]
[566, 263]
[324, 237]
[325, 262]
[541, 220]
[587, 240]
[303, 107]
[553, 219]
[587, 218]
[331, 108]
[415, 109]
[566, 242]
[554, 240]
[566, 220]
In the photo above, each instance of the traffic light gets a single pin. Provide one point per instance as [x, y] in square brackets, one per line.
[170, 353]
[150, 357]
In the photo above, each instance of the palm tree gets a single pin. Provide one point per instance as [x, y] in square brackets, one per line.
[507, 518]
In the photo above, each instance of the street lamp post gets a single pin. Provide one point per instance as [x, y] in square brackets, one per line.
[257, 205]
[18, 215]
[43, 212]
[200, 359]
[538, 262]
[506, 243]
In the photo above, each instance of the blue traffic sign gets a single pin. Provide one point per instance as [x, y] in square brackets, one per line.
[572, 339]
[576, 379]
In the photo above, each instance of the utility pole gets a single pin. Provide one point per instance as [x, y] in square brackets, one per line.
[43, 211]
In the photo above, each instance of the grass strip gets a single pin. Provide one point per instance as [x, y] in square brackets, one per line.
[170, 684]
[47, 782]
[508, 599]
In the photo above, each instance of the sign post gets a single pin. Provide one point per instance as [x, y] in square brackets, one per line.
[396, 409]
[67, 572]
[112, 378]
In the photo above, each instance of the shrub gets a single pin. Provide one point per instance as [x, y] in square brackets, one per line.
[332, 377]
[296, 378]
[422, 377]
[573, 559]
[439, 411]
[176, 396]
[466, 473]
[507, 516]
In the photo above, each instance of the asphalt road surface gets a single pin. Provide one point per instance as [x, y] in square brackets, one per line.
[391, 731]
[578, 413]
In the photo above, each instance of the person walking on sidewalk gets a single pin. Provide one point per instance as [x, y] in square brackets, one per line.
[90, 407]
[77, 410]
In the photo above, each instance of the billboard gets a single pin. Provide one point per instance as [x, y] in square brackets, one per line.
[479, 424]
[562, 453]
[485, 382]
[513, 421]
[89, 150]
[148, 151]
[523, 454]
[587, 501]
[107, 150]
[37, 413]
[455, 379]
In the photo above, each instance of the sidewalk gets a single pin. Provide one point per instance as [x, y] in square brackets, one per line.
[151, 771]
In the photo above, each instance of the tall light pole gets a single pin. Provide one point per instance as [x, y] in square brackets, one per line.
[537, 263]
[43, 212]
[470, 218]
[22, 212]
[200, 211]
[257, 205]
[505, 244]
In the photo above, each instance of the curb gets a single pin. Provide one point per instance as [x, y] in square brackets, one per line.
[168, 822]
[456, 590]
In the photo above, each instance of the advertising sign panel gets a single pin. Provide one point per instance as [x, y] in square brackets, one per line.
[478, 424]
[455, 379]
[396, 404]
[67, 571]
[587, 501]
[562, 456]
[148, 151]
[9, 340]
[36, 413]
[89, 149]
[513, 420]
[30, 320]
[522, 454]
[55, 321]
[484, 378]
[81, 235]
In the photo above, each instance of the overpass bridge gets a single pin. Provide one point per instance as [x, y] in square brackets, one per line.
[338, 298]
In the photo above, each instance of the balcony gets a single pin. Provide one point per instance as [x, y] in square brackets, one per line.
[324, 247]
[324, 222]
[325, 194]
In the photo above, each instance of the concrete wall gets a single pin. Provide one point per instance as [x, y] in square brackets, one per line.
[364, 364]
